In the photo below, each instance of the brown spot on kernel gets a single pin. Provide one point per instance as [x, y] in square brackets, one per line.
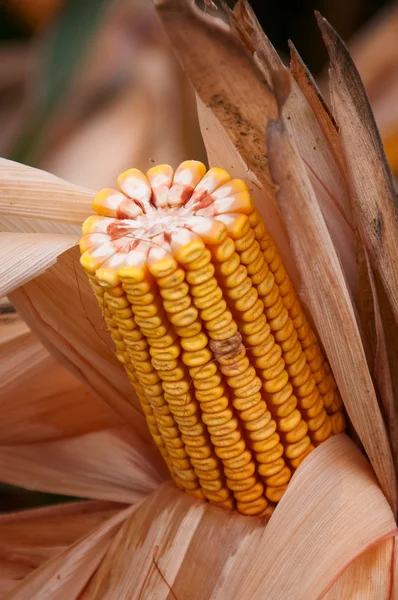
[229, 347]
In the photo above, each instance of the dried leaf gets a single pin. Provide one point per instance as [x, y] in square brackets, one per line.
[371, 185]
[327, 296]
[162, 550]
[31, 225]
[309, 88]
[67, 574]
[368, 577]
[222, 152]
[316, 543]
[21, 353]
[102, 465]
[315, 136]
[224, 76]
[60, 308]
[28, 192]
[40, 400]
[44, 402]
[27, 255]
[30, 538]
[377, 340]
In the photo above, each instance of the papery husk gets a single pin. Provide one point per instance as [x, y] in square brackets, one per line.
[61, 309]
[21, 353]
[332, 511]
[202, 45]
[380, 345]
[375, 212]
[57, 436]
[67, 574]
[30, 225]
[27, 255]
[371, 187]
[30, 538]
[313, 131]
[29, 192]
[40, 400]
[104, 465]
[368, 577]
[222, 152]
[326, 294]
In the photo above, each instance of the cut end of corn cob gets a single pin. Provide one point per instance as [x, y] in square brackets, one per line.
[230, 376]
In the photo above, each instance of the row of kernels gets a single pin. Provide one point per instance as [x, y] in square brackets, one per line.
[159, 343]
[301, 375]
[317, 362]
[272, 364]
[110, 302]
[259, 428]
[223, 426]
[195, 354]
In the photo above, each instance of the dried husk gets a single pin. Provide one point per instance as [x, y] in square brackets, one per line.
[375, 213]
[67, 574]
[40, 399]
[27, 255]
[371, 187]
[221, 151]
[57, 527]
[29, 192]
[326, 294]
[104, 465]
[162, 550]
[313, 131]
[59, 306]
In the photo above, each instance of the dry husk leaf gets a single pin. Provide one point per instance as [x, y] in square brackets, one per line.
[27, 255]
[41, 401]
[21, 354]
[61, 309]
[202, 45]
[314, 133]
[221, 151]
[326, 294]
[67, 574]
[368, 577]
[29, 192]
[31, 538]
[105, 465]
[371, 186]
[162, 550]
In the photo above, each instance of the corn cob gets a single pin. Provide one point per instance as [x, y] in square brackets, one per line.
[231, 379]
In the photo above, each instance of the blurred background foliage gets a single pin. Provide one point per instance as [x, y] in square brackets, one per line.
[89, 89]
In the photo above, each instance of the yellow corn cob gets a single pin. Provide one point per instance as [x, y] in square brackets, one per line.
[231, 379]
